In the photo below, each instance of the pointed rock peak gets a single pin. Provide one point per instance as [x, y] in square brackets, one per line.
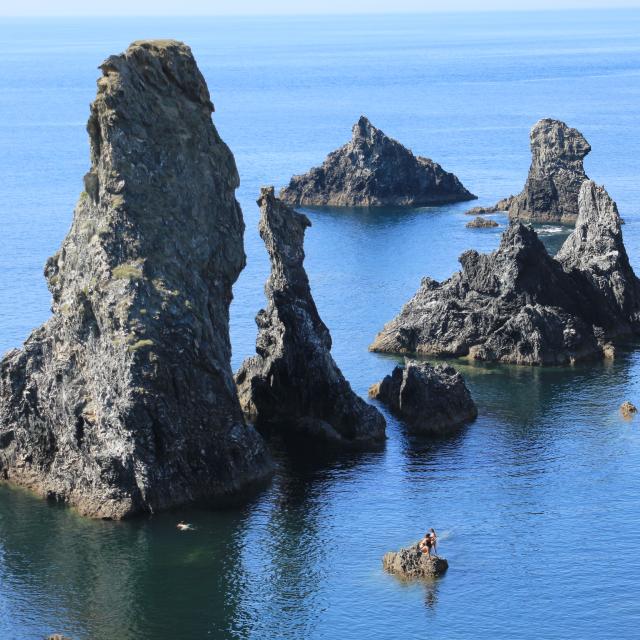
[363, 130]
[293, 384]
[374, 170]
[557, 140]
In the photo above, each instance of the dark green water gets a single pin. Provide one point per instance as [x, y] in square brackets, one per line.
[537, 503]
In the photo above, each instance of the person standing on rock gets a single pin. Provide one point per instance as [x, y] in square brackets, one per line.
[428, 542]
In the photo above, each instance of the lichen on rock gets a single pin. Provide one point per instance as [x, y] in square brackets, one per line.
[374, 170]
[293, 385]
[123, 401]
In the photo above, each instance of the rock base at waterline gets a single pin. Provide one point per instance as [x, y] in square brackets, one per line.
[412, 563]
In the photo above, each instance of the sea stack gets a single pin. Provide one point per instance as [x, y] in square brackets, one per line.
[430, 399]
[293, 384]
[123, 401]
[374, 170]
[555, 176]
[519, 305]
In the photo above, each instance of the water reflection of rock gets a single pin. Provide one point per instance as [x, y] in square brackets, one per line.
[105, 580]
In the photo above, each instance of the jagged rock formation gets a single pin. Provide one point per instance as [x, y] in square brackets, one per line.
[481, 223]
[293, 384]
[519, 305]
[555, 176]
[124, 402]
[429, 399]
[411, 563]
[501, 206]
[374, 170]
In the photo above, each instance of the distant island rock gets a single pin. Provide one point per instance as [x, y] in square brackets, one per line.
[501, 206]
[519, 305]
[411, 563]
[429, 399]
[555, 176]
[123, 401]
[481, 223]
[374, 170]
[293, 384]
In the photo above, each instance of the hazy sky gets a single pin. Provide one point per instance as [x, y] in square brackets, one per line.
[236, 7]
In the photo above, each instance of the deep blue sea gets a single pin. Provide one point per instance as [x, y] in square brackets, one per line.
[537, 502]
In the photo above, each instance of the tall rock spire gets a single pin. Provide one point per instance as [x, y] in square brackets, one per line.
[124, 401]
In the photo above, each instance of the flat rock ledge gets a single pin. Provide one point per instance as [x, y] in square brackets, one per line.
[481, 223]
[292, 384]
[519, 305]
[374, 170]
[429, 399]
[410, 563]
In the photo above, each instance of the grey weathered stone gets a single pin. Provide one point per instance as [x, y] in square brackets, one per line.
[123, 401]
[374, 170]
[481, 223]
[411, 563]
[521, 306]
[429, 399]
[293, 384]
[555, 176]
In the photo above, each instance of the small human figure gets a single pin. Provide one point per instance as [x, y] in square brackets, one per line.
[425, 544]
[434, 540]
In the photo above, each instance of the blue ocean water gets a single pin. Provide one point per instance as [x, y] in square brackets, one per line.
[537, 502]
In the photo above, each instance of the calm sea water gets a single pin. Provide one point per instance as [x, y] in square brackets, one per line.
[537, 502]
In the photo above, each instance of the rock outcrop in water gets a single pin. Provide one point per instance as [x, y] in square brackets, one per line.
[519, 305]
[481, 223]
[124, 401]
[429, 399]
[411, 563]
[293, 383]
[555, 176]
[501, 206]
[374, 170]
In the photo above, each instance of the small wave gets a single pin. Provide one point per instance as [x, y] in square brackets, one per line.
[548, 229]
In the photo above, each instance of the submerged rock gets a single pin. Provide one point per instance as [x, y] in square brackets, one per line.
[411, 563]
[481, 223]
[519, 305]
[374, 170]
[628, 409]
[430, 399]
[293, 384]
[501, 206]
[555, 176]
[123, 401]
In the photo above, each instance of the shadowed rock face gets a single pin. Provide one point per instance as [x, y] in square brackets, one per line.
[429, 399]
[124, 401]
[374, 170]
[521, 306]
[555, 176]
[293, 384]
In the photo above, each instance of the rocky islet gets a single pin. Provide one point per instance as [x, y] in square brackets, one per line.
[374, 170]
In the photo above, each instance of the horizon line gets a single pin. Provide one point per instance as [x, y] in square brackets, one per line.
[311, 14]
